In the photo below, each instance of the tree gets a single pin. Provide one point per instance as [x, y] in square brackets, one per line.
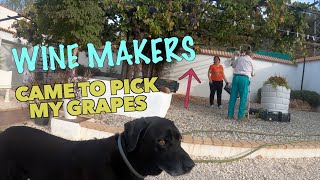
[256, 22]
[54, 22]
[139, 19]
[211, 23]
[63, 21]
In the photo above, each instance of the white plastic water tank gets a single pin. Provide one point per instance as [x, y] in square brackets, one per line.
[275, 99]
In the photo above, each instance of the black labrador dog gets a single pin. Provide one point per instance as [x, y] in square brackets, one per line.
[147, 146]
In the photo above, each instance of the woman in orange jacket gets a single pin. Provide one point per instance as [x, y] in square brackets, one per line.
[216, 77]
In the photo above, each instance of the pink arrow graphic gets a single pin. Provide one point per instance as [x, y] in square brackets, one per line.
[189, 73]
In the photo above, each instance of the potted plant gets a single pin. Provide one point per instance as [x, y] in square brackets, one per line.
[31, 80]
[69, 76]
[275, 94]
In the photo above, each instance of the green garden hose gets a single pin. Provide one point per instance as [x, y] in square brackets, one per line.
[227, 160]
[252, 151]
[247, 132]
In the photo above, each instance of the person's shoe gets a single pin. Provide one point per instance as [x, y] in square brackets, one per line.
[243, 120]
[211, 106]
[220, 107]
[230, 117]
[233, 122]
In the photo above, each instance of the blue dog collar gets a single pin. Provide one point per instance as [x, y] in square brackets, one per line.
[126, 160]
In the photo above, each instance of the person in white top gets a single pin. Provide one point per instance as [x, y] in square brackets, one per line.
[243, 71]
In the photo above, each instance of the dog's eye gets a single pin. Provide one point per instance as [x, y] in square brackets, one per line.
[162, 142]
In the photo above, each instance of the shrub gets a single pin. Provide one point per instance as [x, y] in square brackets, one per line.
[277, 81]
[312, 97]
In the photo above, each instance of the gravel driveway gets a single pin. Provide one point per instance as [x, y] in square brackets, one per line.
[199, 116]
[255, 169]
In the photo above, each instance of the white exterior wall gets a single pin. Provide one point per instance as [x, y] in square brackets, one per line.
[7, 42]
[264, 69]
[311, 76]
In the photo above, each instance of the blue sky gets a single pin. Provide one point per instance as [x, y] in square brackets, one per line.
[306, 1]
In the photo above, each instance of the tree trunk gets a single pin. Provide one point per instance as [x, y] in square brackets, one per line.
[138, 67]
[75, 53]
[138, 70]
[135, 70]
[148, 70]
[130, 72]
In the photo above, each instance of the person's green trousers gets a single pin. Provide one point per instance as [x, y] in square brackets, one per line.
[240, 84]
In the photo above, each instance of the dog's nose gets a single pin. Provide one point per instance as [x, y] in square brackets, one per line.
[188, 165]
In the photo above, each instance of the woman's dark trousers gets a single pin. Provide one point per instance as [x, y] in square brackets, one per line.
[216, 86]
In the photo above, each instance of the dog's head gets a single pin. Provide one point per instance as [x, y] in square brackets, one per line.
[154, 145]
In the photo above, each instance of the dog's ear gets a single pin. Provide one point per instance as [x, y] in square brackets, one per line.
[132, 131]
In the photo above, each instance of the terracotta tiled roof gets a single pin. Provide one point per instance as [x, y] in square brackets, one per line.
[258, 56]
[314, 58]
[7, 30]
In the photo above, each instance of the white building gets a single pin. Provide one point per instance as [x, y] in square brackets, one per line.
[265, 67]
[7, 42]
